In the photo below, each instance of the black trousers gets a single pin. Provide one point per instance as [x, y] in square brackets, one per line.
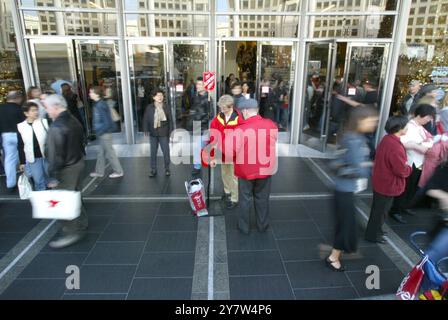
[346, 234]
[164, 145]
[258, 191]
[405, 200]
[380, 207]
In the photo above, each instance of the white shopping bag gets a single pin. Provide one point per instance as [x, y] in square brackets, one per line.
[56, 204]
[24, 186]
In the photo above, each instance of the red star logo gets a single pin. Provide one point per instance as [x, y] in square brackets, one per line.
[53, 203]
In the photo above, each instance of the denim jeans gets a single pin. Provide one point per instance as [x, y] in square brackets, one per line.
[197, 148]
[38, 170]
[9, 140]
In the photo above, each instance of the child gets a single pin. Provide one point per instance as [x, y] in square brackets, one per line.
[389, 175]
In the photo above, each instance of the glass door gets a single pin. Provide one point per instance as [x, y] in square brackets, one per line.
[187, 62]
[53, 63]
[97, 66]
[275, 83]
[148, 72]
[317, 95]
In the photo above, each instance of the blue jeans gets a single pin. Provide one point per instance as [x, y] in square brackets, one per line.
[39, 172]
[9, 140]
[197, 148]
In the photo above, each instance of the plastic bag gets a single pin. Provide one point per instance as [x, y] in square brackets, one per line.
[25, 187]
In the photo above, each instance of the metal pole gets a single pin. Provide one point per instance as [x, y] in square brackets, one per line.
[125, 80]
[21, 48]
[400, 34]
[299, 83]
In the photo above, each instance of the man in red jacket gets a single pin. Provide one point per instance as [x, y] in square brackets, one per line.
[390, 171]
[255, 161]
[221, 127]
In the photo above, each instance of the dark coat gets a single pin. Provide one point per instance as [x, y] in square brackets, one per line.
[148, 122]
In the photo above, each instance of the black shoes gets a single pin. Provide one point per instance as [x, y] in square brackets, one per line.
[408, 212]
[380, 240]
[167, 172]
[231, 205]
[196, 173]
[153, 173]
[399, 218]
[330, 265]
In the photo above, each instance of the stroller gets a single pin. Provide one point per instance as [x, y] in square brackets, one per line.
[425, 281]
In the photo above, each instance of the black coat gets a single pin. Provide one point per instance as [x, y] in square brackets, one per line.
[65, 143]
[10, 115]
[148, 122]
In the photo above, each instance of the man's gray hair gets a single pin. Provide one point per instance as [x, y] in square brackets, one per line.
[56, 101]
[226, 101]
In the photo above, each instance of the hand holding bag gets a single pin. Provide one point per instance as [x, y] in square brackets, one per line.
[56, 204]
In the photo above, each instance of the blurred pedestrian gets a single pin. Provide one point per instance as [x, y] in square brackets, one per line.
[72, 102]
[255, 157]
[33, 94]
[10, 115]
[65, 154]
[103, 126]
[390, 171]
[158, 125]
[32, 137]
[410, 98]
[237, 93]
[353, 169]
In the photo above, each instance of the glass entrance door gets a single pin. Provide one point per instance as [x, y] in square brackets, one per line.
[187, 62]
[53, 64]
[275, 83]
[97, 66]
[320, 66]
[148, 72]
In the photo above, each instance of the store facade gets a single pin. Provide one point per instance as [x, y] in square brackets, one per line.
[295, 50]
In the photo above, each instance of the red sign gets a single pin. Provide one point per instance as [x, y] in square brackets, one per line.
[209, 81]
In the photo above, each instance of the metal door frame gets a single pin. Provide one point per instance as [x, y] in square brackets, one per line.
[331, 69]
[70, 56]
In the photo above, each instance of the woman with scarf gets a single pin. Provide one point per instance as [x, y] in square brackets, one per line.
[158, 124]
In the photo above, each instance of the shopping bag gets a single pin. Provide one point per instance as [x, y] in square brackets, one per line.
[24, 186]
[56, 204]
[196, 196]
[410, 285]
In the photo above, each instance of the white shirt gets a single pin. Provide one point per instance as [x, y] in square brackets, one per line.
[416, 134]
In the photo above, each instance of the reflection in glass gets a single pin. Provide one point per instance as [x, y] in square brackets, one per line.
[99, 69]
[53, 63]
[268, 26]
[10, 71]
[276, 84]
[352, 26]
[92, 4]
[148, 73]
[259, 5]
[189, 64]
[352, 5]
[78, 23]
[163, 25]
[174, 5]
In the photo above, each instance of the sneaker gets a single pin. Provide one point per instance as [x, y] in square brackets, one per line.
[167, 172]
[96, 175]
[116, 175]
[66, 241]
[231, 205]
[153, 173]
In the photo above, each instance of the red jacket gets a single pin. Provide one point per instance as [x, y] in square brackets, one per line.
[255, 148]
[224, 129]
[390, 169]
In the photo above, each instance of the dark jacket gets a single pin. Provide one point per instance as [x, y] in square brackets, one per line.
[65, 144]
[72, 106]
[200, 111]
[10, 115]
[390, 169]
[403, 110]
[102, 118]
[166, 127]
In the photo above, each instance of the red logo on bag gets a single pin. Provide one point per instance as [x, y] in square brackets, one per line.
[198, 201]
[53, 203]
[209, 81]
